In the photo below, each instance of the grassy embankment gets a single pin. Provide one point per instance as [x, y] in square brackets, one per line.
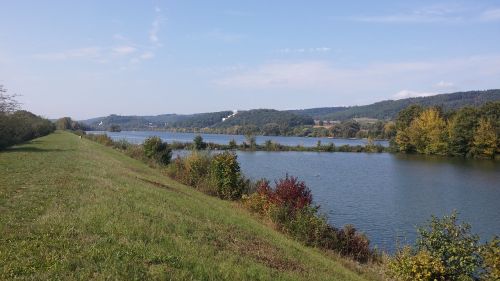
[73, 209]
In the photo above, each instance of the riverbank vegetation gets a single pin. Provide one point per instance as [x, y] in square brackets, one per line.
[445, 249]
[76, 210]
[18, 126]
[467, 132]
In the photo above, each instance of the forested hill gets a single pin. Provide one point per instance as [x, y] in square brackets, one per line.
[388, 109]
[278, 120]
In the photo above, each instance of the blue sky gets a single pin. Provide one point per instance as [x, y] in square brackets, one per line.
[93, 58]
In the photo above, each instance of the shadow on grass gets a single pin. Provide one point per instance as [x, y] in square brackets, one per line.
[32, 149]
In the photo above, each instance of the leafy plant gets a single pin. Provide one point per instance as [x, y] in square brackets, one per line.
[155, 148]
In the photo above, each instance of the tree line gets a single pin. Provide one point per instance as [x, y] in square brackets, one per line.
[16, 125]
[466, 132]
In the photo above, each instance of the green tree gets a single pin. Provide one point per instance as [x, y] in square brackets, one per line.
[484, 144]
[251, 141]
[64, 123]
[407, 115]
[198, 143]
[461, 129]
[428, 134]
[233, 144]
[156, 149]
[226, 175]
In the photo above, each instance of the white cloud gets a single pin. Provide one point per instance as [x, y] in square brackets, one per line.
[155, 27]
[444, 84]
[123, 50]
[376, 78]
[424, 15]
[304, 50]
[403, 94]
[491, 15]
[153, 32]
[147, 55]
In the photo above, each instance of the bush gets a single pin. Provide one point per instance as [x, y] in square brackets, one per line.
[490, 253]
[442, 243]
[20, 126]
[156, 149]
[453, 244]
[420, 266]
[291, 193]
[289, 206]
[225, 176]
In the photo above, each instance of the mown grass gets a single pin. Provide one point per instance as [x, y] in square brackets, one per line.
[73, 209]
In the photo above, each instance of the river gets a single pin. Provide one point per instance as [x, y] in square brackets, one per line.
[383, 195]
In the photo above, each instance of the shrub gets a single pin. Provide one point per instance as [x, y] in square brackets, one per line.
[289, 206]
[490, 253]
[420, 266]
[196, 167]
[155, 148]
[198, 143]
[291, 193]
[442, 243]
[226, 176]
[451, 243]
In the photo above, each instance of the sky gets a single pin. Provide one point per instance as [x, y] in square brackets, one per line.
[93, 58]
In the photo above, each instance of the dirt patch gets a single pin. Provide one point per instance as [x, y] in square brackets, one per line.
[158, 184]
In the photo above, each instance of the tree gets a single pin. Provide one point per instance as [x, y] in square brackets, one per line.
[226, 176]
[427, 133]
[198, 143]
[112, 128]
[484, 144]
[156, 149]
[8, 103]
[461, 129]
[64, 123]
[407, 115]
[233, 144]
[251, 141]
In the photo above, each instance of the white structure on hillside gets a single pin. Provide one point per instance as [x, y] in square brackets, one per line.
[234, 113]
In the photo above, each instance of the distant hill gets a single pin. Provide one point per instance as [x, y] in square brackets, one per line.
[259, 118]
[389, 109]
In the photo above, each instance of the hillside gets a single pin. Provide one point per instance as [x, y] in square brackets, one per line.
[75, 210]
[261, 117]
[388, 109]
[383, 110]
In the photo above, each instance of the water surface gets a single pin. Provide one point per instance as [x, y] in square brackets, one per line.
[384, 195]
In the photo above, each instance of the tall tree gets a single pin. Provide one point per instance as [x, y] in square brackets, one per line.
[428, 133]
[461, 130]
[484, 144]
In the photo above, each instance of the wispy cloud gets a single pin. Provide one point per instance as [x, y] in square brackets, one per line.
[439, 13]
[419, 76]
[403, 94]
[444, 85]
[155, 27]
[123, 50]
[431, 14]
[491, 15]
[304, 50]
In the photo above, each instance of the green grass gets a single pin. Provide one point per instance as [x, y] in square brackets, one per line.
[74, 209]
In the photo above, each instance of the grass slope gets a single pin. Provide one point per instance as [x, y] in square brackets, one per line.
[73, 209]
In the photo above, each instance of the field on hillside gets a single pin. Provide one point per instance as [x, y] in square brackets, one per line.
[73, 209]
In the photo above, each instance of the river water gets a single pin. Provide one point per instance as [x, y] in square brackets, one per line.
[383, 195]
